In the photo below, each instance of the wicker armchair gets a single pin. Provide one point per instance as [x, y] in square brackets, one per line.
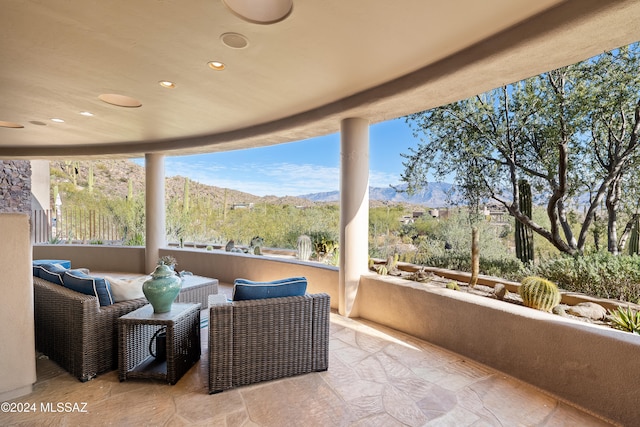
[261, 340]
[74, 331]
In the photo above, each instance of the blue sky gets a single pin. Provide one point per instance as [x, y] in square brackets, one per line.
[296, 168]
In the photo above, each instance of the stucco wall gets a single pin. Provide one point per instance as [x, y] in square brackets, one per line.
[95, 257]
[17, 351]
[590, 366]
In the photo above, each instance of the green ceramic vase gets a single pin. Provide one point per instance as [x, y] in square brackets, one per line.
[162, 289]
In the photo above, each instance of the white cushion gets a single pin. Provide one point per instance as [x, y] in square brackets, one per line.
[126, 289]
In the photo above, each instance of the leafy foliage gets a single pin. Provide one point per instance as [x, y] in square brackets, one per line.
[453, 234]
[509, 268]
[600, 274]
[568, 132]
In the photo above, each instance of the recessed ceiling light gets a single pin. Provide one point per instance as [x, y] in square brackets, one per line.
[234, 40]
[262, 12]
[57, 120]
[216, 65]
[167, 84]
[37, 123]
[86, 113]
[10, 125]
[120, 100]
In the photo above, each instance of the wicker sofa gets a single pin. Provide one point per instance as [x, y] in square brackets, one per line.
[73, 330]
[264, 339]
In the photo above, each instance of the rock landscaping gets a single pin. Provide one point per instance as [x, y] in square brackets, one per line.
[572, 305]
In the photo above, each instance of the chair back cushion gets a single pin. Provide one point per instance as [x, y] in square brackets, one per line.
[244, 289]
[50, 272]
[97, 286]
[65, 263]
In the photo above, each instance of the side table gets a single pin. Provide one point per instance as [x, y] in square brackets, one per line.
[135, 331]
[196, 289]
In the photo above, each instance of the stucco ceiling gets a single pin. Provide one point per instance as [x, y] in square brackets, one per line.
[328, 60]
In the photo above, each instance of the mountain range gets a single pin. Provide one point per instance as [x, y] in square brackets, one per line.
[434, 195]
[113, 177]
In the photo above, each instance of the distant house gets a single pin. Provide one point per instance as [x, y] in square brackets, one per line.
[496, 212]
[242, 206]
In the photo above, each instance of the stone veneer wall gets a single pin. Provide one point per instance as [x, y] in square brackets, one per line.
[15, 186]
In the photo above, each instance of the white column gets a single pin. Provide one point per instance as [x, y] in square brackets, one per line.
[354, 209]
[156, 234]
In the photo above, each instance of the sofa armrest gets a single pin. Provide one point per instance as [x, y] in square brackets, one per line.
[73, 330]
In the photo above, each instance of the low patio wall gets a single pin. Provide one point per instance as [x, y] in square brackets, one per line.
[95, 257]
[591, 366]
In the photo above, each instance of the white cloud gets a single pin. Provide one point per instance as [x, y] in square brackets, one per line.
[278, 179]
[383, 179]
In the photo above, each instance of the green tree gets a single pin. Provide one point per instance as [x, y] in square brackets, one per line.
[545, 129]
[608, 90]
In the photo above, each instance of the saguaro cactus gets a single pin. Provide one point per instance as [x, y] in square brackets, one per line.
[392, 262]
[524, 235]
[130, 191]
[185, 205]
[634, 239]
[90, 178]
[475, 256]
[304, 248]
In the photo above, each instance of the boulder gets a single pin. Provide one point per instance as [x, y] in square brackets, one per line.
[589, 310]
[500, 291]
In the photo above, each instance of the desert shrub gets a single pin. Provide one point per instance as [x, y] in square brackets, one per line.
[510, 268]
[599, 274]
[505, 267]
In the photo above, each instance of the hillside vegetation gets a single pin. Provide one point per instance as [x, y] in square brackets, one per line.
[208, 216]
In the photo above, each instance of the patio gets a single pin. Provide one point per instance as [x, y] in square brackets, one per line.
[376, 376]
[564, 358]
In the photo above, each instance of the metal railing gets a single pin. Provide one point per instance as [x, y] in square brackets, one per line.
[74, 226]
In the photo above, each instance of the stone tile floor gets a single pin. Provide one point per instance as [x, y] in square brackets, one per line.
[376, 377]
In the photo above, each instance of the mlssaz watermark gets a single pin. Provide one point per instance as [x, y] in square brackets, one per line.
[49, 407]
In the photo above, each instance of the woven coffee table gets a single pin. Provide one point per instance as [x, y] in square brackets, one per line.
[137, 328]
[196, 289]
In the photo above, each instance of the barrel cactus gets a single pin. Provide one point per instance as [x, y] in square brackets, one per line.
[539, 293]
[453, 286]
[304, 248]
[382, 270]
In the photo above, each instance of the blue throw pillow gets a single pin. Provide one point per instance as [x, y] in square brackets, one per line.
[51, 272]
[244, 289]
[89, 285]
